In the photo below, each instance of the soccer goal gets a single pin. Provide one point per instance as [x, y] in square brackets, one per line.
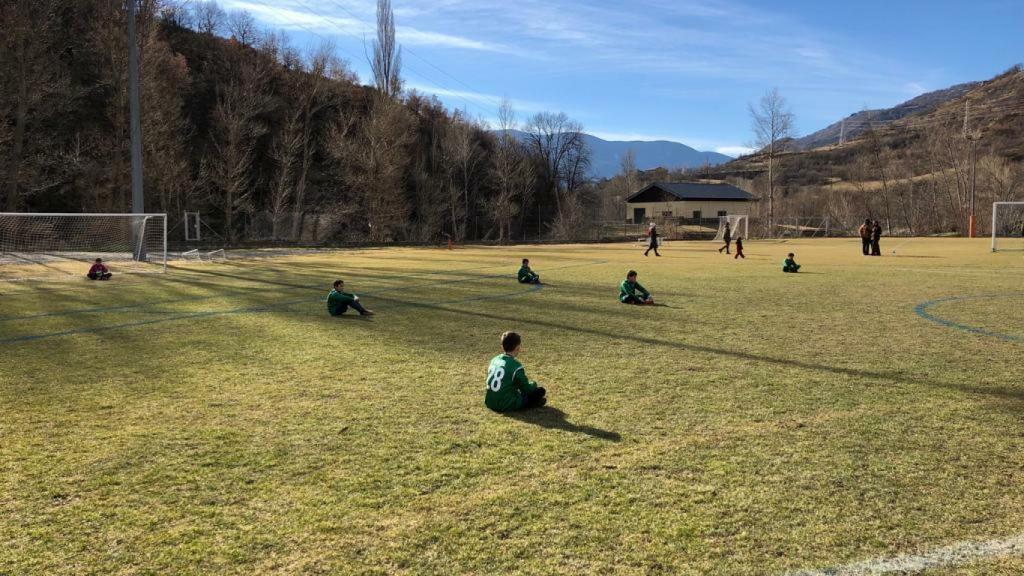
[1007, 226]
[42, 245]
[739, 226]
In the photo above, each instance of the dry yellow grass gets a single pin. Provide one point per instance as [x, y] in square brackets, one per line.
[215, 420]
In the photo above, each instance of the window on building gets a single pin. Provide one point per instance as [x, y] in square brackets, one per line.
[696, 214]
[722, 213]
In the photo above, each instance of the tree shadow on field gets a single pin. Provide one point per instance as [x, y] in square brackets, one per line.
[554, 419]
[1012, 392]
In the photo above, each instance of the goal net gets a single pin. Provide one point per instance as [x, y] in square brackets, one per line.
[45, 245]
[802, 227]
[739, 226]
[1007, 226]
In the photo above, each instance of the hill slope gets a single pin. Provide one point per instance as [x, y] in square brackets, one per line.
[856, 124]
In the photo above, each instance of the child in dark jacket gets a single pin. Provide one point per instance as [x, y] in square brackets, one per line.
[739, 248]
[790, 265]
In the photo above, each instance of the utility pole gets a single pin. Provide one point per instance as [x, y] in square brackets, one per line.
[973, 139]
[842, 133]
[138, 199]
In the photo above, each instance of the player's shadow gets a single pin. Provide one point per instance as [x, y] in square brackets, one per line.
[554, 419]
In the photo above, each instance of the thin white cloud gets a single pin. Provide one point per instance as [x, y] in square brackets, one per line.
[327, 21]
[407, 35]
[478, 99]
[914, 89]
[734, 151]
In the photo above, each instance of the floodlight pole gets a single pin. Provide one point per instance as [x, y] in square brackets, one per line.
[974, 183]
[135, 113]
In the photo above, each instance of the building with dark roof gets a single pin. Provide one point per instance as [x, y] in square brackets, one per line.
[687, 201]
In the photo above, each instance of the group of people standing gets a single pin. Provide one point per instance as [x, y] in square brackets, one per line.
[870, 236]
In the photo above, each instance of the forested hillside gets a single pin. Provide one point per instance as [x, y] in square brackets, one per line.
[915, 173]
[268, 143]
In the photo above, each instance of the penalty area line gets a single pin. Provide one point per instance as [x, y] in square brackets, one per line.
[948, 557]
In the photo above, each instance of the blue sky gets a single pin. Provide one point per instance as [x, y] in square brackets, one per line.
[681, 70]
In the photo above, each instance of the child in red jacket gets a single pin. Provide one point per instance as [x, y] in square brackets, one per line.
[99, 271]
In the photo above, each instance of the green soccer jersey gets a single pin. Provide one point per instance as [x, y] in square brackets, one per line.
[628, 288]
[338, 301]
[506, 384]
[526, 275]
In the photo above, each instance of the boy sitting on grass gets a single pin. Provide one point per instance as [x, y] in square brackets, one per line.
[508, 388]
[631, 292]
[99, 271]
[790, 265]
[338, 301]
[526, 275]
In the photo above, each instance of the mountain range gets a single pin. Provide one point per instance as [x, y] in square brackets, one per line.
[606, 155]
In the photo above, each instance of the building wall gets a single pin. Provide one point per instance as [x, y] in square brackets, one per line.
[685, 209]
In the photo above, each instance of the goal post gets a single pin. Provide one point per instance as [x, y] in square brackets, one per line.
[46, 244]
[739, 226]
[1007, 226]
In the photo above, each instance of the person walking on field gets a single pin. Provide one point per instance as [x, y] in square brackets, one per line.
[739, 248]
[876, 236]
[653, 233]
[727, 238]
[865, 237]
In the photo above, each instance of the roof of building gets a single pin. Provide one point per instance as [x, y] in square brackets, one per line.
[694, 191]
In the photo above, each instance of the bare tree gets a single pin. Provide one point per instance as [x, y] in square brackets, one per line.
[30, 75]
[164, 83]
[512, 173]
[772, 122]
[387, 55]
[559, 144]
[315, 96]
[464, 158]
[376, 159]
[243, 27]
[238, 127]
[208, 17]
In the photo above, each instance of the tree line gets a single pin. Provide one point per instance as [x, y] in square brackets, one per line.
[267, 142]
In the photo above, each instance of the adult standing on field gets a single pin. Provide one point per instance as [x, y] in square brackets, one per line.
[865, 237]
[653, 233]
[728, 239]
[876, 236]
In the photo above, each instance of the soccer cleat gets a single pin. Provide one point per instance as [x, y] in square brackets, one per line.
[369, 313]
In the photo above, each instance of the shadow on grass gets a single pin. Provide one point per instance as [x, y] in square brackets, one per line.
[554, 419]
[1013, 393]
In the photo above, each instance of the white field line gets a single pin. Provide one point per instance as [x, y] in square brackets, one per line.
[955, 555]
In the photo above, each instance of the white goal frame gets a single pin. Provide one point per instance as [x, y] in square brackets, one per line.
[734, 220]
[193, 227]
[137, 245]
[995, 222]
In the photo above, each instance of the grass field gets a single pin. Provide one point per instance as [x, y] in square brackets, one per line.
[214, 419]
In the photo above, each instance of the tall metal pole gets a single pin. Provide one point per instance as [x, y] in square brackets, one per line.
[138, 198]
[974, 184]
